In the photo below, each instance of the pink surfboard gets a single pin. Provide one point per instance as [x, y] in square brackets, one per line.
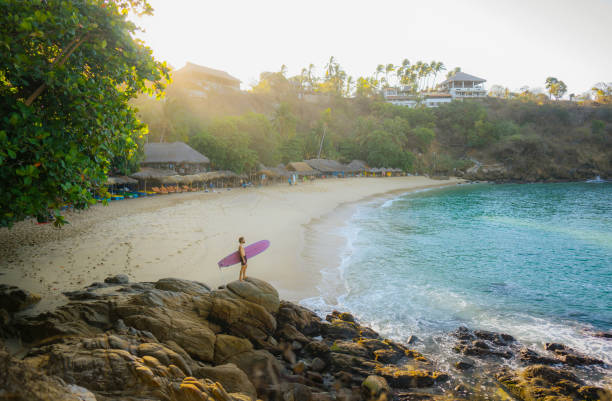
[250, 251]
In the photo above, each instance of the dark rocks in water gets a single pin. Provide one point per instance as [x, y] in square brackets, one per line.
[401, 377]
[554, 347]
[412, 339]
[463, 365]
[13, 299]
[367, 332]
[463, 333]
[570, 357]
[480, 350]
[531, 357]
[496, 338]
[603, 334]
[339, 329]
[539, 382]
[389, 355]
[483, 344]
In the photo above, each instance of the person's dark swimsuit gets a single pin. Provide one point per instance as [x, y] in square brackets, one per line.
[243, 259]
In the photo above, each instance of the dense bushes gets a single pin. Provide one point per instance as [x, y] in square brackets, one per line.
[281, 127]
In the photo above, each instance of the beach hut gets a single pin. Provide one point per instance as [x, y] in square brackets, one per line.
[357, 167]
[268, 175]
[150, 175]
[120, 186]
[178, 157]
[327, 167]
[301, 169]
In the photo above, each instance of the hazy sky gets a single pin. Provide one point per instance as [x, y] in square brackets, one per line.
[507, 42]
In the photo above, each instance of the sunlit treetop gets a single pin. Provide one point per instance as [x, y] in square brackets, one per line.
[67, 72]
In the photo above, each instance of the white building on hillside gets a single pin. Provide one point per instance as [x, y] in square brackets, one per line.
[400, 97]
[464, 86]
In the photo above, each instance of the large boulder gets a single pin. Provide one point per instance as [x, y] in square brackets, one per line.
[256, 291]
[233, 378]
[186, 329]
[241, 317]
[304, 320]
[180, 285]
[227, 346]
[262, 368]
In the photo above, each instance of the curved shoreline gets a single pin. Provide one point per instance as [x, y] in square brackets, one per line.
[324, 304]
[184, 236]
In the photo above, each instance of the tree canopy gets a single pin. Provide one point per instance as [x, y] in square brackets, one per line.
[67, 72]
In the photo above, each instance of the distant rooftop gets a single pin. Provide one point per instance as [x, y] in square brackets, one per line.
[191, 67]
[177, 152]
[462, 76]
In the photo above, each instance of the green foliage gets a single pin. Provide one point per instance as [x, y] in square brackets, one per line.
[598, 127]
[556, 87]
[67, 71]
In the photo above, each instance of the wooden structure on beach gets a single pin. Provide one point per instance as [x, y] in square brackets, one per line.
[147, 177]
[327, 167]
[357, 167]
[178, 157]
[301, 169]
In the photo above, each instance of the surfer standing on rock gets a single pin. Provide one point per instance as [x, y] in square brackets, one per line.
[243, 259]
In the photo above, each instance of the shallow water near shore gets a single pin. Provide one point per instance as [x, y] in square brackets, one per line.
[533, 261]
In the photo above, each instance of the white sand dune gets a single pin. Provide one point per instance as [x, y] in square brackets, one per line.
[184, 235]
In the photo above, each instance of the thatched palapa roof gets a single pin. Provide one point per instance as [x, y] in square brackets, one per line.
[357, 166]
[278, 171]
[152, 174]
[326, 165]
[177, 152]
[301, 168]
[120, 180]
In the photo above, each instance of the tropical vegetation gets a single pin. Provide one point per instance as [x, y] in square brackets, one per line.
[67, 72]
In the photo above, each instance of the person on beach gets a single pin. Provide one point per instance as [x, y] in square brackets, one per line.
[243, 259]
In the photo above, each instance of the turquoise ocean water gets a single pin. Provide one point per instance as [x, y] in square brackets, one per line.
[531, 260]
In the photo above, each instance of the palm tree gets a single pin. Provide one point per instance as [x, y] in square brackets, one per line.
[402, 70]
[452, 72]
[311, 78]
[329, 67]
[438, 67]
[283, 70]
[419, 73]
[379, 69]
[349, 86]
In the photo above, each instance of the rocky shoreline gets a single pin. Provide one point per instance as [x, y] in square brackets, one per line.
[180, 340]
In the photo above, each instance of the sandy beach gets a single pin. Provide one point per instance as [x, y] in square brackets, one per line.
[184, 235]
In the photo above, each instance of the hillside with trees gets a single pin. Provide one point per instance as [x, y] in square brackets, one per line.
[522, 137]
